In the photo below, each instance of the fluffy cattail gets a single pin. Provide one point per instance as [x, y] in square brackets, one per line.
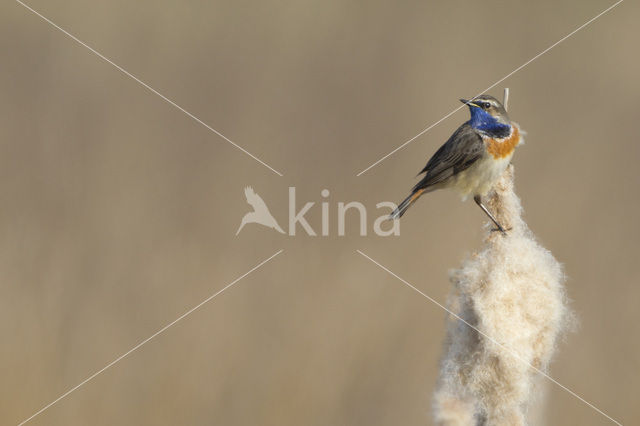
[511, 305]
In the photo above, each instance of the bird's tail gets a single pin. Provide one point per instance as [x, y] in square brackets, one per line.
[405, 204]
[244, 222]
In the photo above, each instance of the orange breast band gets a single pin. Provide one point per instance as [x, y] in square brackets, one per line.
[500, 148]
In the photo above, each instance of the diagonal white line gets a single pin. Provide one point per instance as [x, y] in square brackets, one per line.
[513, 352]
[163, 329]
[146, 86]
[491, 87]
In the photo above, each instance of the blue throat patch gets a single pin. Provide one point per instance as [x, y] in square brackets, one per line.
[483, 121]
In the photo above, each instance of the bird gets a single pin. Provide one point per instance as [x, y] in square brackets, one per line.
[260, 213]
[473, 158]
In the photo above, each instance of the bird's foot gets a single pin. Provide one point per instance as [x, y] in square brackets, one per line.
[501, 229]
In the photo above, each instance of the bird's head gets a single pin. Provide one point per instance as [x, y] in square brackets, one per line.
[488, 115]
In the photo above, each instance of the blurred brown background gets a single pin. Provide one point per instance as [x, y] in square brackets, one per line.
[119, 212]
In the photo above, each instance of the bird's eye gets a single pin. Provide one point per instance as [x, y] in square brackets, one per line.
[486, 105]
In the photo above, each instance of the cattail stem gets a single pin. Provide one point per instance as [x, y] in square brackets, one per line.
[511, 291]
[505, 99]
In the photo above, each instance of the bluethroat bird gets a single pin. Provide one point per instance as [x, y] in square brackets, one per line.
[473, 158]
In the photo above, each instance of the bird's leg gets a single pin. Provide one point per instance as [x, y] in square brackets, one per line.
[478, 201]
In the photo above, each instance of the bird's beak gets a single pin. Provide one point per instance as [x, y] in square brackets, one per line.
[466, 102]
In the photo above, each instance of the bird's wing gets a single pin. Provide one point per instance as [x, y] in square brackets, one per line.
[254, 199]
[462, 149]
